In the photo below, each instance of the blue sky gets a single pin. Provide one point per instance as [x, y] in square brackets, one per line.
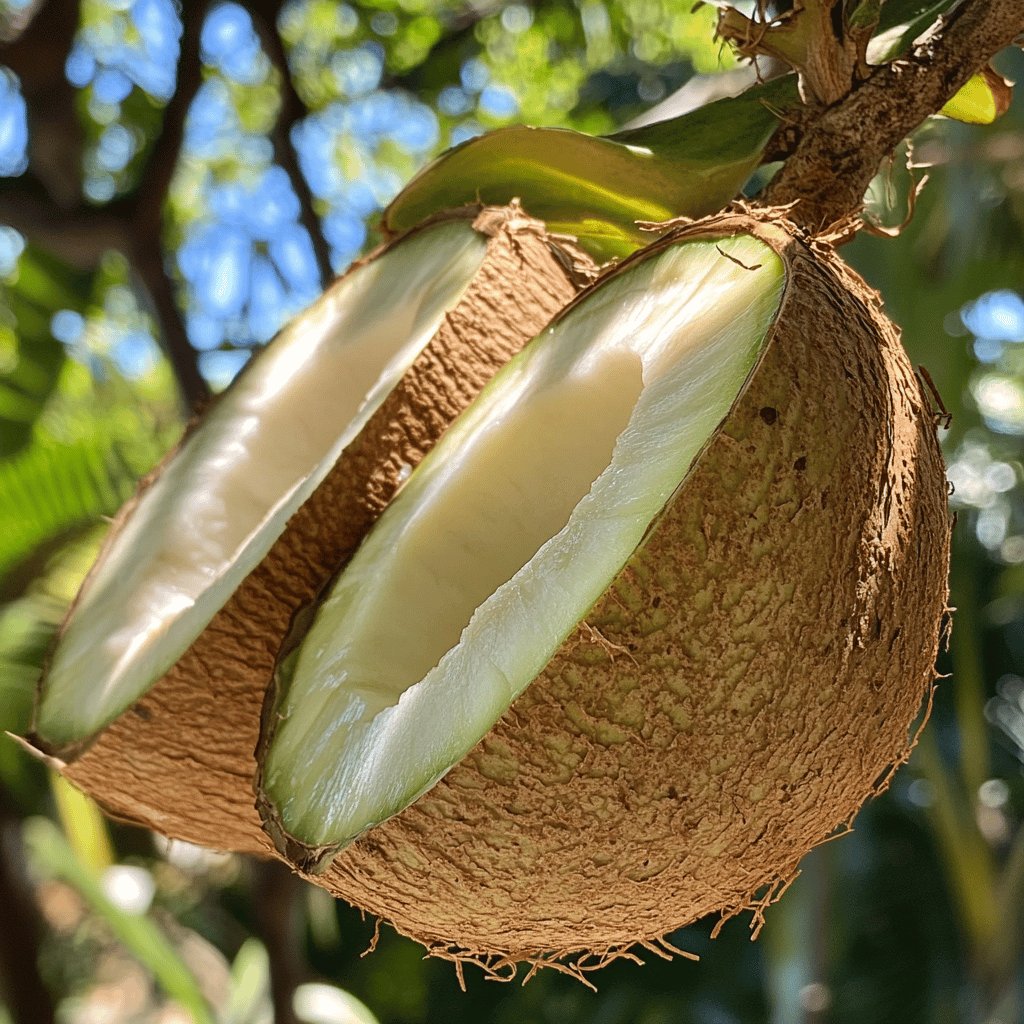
[245, 263]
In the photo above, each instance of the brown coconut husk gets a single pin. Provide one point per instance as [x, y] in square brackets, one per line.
[751, 677]
[180, 760]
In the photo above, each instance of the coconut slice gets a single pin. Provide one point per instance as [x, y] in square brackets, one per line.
[725, 630]
[509, 532]
[316, 436]
[214, 511]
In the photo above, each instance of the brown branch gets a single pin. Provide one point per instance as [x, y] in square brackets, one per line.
[833, 163]
[291, 112]
[37, 57]
[812, 38]
[81, 236]
[145, 208]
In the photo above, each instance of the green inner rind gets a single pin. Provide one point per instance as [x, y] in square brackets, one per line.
[357, 739]
[221, 502]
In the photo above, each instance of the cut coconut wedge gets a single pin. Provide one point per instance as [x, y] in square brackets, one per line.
[751, 611]
[217, 507]
[266, 498]
[507, 534]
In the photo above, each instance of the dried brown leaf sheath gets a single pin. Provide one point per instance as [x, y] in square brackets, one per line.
[180, 760]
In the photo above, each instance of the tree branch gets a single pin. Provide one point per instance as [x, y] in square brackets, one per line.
[145, 208]
[811, 37]
[81, 236]
[837, 156]
[291, 112]
[37, 57]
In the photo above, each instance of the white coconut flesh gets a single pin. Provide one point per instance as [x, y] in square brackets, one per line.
[508, 532]
[221, 502]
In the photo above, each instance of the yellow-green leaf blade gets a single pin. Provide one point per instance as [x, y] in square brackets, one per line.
[984, 98]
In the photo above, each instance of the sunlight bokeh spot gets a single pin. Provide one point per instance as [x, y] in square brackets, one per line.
[137, 43]
[220, 284]
[997, 316]
[111, 85]
[292, 252]
[267, 297]
[358, 71]
[67, 326]
[221, 367]
[135, 354]
[12, 245]
[497, 101]
[116, 147]
[229, 42]
[129, 887]
[80, 67]
[1000, 398]
[204, 331]
[13, 127]
[516, 18]
[454, 101]
[474, 75]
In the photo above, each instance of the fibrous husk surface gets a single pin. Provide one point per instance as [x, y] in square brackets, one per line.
[180, 760]
[749, 679]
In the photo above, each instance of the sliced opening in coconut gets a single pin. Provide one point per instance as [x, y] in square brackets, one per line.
[507, 533]
[217, 506]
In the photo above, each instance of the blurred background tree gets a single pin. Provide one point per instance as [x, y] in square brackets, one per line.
[177, 180]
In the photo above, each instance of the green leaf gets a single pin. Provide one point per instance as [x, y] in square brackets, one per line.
[866, 15]
[50, 491]
[83, 824]
[597, 188]
[26, 628]
[249, 998]
[900, 23]
[31, 359]
[985, 97]
[52, 856]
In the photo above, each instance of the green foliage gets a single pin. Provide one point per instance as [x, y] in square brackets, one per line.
[87, 433]
[50, 492]
[27, 625]
[900, 22]
[53, 857]
[547, 54]
[31, 359]
[86, 437]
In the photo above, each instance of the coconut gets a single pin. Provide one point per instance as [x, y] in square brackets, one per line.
[152, 696]
[724, 698]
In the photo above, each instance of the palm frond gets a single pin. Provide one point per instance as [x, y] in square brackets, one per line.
[31, 358]
[50, 491]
